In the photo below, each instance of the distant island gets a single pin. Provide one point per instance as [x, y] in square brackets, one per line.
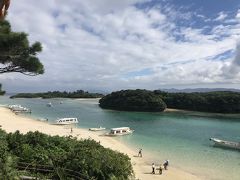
[191, 90]
[157, 101]
[215, 102]
[133, 100]
[58, 94]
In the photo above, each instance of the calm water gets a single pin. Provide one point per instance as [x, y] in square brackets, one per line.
[182, 138]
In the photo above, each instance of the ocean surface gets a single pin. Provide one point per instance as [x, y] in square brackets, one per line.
[181, 137]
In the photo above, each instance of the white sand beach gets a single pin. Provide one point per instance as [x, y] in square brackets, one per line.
[142, 168]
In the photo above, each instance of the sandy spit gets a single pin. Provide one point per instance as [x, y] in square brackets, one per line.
[142, 168]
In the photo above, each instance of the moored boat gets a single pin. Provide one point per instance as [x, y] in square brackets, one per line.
[66, 121]
[226, 144]
[119, 131]
[97, 129]
[49, 104]
[19, 109]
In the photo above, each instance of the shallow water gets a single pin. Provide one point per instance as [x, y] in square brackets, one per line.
[181, 137]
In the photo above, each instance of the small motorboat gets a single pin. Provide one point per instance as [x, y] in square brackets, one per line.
[226, 144]
[19, 109]
[66, 121]
[49, 104]
[119, 131]
[97, 129]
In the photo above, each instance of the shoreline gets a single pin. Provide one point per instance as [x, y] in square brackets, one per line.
[141, 166]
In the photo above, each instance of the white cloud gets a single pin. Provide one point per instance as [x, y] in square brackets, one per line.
[91, 44]
[232, 70]
[238, 14]
[221, 16]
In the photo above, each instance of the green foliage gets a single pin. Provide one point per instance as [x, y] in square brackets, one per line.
[143, 100]
[133, 100]
[64, 157]
[7, 161]
[16, 54]
[217, 102]
[58, 94]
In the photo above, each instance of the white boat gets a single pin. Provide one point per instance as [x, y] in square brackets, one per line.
[19, 109]
[49, 104]
[97, 129]
[66, 121]
[14, 106]
[119, 131]
[227, 144]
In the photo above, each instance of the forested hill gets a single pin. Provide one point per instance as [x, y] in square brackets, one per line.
[156, 101]
[58, 94]
[217, 102]
[133, 100]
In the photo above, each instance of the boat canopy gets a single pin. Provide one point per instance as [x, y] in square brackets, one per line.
[120, 128]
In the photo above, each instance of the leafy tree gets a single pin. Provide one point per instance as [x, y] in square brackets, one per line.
[7, 162]
[16, 54]
[54, 157]
[133, 100]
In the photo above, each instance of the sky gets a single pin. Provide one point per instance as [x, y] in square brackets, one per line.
[108, 45]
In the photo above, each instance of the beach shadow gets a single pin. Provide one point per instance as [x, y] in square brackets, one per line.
[103, 135]
[156, 174]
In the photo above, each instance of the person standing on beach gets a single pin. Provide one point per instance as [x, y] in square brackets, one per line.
[153, 168]
[71, 130]
[140, 153]
[165, 164]
[160, 169]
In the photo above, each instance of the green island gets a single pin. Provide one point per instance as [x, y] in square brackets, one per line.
[53, 157]
[214, 102]
[133, 100]
[58, 94]
[157, 101]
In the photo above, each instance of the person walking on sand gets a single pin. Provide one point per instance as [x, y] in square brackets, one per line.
[71, 130]
[160, 169]
[140, 153]
[165, 164]
[153, 168]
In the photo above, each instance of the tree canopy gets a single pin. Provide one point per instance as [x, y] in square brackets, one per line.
[54, 157]
[16, 53]
[58, 94]
[133, 100]
[217, 102]
[143, 100]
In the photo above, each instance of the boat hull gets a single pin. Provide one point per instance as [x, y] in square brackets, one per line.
[226, 144]
[97, 129]
[64, 124]
[66, 121]
[119, 134]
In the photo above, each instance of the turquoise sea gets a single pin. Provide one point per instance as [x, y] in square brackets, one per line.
[181, 137]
